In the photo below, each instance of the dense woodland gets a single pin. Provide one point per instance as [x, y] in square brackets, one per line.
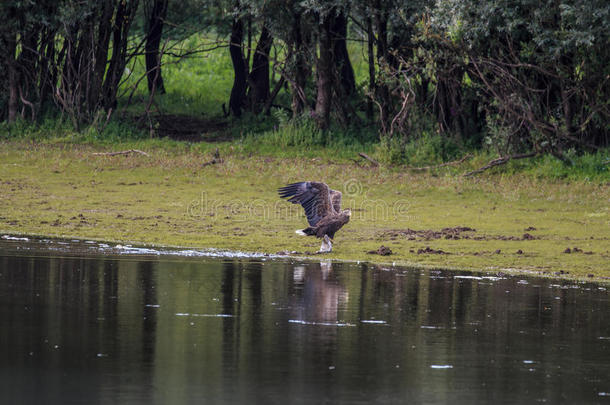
[527, 76]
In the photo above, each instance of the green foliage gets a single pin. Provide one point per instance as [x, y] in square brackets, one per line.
[492, 78]
[540, 67]
[593, 167]
[424, 150]
[57, 130]
[196, 85]
[301, 137]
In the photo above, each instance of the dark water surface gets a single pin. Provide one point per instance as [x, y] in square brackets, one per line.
[164, 329]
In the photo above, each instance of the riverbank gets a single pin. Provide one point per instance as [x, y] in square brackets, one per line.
[178, 197]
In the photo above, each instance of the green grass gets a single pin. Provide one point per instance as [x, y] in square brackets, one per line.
[587, 167]
[302, 139]
[170, 199]
[196, 85]
[281, 138]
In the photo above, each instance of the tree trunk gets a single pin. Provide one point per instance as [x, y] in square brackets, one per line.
[441, 105]
[344, 66]
[45, 74]
[259, 76]
[324, 76]
[12, 77]
[80, 80]
[125, 14]
[47, 60]
[101, 51]
[4, 66]
[153, 40]
[371, 54]
[566, 101]
[27, 65]
[382, 92]
[238, 92]
[300, 48]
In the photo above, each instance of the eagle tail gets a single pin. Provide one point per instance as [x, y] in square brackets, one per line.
[305, 232]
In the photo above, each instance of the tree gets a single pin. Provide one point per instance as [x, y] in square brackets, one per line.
[324, 72]
[238, 92]
[156, 12]
[259, 75]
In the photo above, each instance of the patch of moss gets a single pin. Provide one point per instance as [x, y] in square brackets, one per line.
[170, 198]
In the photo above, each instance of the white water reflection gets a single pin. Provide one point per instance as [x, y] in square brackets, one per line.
[88, 247]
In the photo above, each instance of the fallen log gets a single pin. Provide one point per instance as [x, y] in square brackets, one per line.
[123, 152]
[370, 159]
[500, 161]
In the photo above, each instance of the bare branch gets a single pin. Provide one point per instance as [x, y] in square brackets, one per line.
[123, 152]
[500, 161]
[370, 159]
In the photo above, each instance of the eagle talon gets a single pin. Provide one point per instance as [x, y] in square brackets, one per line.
[326, 246]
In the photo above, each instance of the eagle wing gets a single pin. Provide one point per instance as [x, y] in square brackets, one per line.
[313, 196]
[335, 198]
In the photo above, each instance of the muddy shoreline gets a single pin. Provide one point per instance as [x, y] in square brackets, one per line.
[28, 244]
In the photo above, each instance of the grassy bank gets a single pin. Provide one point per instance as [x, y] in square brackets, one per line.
[285, 139]
[518, 221]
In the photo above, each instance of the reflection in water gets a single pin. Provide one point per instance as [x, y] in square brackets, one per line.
[318, 295]
[136, 330]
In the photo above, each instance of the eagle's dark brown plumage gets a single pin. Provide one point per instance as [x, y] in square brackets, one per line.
[322, 207]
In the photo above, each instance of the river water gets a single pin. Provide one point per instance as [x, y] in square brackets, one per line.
[81, 323]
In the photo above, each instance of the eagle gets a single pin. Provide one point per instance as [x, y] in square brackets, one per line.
[322, 207]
